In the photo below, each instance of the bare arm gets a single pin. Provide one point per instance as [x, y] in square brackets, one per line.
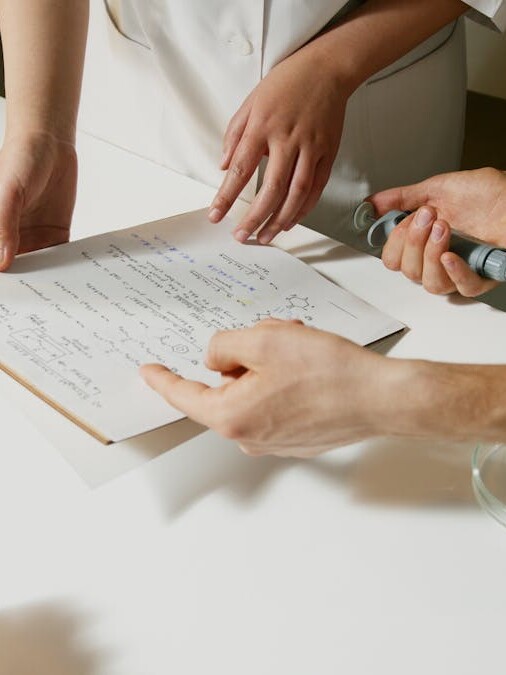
[341, 394]
[295, 115]
[379, 33]
[44, 43]
[442, 400]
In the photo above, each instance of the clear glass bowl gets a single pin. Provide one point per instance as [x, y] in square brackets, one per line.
[489, 479]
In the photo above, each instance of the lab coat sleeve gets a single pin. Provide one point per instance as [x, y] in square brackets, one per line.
[489, 12]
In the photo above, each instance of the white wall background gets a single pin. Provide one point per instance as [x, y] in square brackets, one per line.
[486, 57]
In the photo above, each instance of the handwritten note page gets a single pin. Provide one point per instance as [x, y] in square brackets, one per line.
[76, 321]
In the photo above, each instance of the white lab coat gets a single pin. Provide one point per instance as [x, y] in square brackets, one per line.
[169, 74]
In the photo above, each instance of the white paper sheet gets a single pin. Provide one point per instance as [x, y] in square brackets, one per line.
[77, 321]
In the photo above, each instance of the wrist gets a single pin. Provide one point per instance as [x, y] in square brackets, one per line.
[407, 402]
[334, 63]
[35, 123]
[34, 136]
[441, 400]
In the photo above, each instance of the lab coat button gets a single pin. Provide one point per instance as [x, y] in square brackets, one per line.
[240, 44]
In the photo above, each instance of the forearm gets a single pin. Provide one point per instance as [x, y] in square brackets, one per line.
[377, 34]
[44, 44]
[440, 400]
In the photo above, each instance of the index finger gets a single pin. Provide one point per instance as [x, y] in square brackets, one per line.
[195, 399]
[244, 163]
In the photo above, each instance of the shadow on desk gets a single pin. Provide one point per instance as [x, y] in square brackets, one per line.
[388, 472]
[45, 640]
[405, 472]
[209, 465]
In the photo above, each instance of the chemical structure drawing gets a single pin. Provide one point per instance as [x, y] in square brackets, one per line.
[186, 351]
[179, 349]
[298, 302]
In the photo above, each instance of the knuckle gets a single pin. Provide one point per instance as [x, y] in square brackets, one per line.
[274, 227]
[230, 427]
[317, 142]
[223, 202]
[249, 137]
[212, 349]
[432, 254]
[269, 322]
[251, 224]
[391, 262]
[470, 291]
[273, 185]
[301, 186]
[414, 237]
[232, 129]
[263, 340]
[488, 173]
[438, 288]
[412, 274]
[238, 169]
[259, 118]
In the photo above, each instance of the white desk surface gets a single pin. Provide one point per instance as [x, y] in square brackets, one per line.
[373, 559]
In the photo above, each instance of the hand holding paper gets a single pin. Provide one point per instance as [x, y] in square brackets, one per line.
[38, 177]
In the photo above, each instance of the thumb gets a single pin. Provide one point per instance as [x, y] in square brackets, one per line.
[406, 198]
[11, 207]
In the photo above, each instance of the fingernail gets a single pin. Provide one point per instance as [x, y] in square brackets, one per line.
[224, 158]
[424, 218]
[214, 215]
[265, 237]
[242, 236]
[437, 232]
[2, 254]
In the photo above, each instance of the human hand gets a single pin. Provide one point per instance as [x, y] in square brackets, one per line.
[38, 178]
[287, 389]
[471, 202]
[294, 117]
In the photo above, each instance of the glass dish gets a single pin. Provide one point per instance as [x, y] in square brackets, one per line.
[489, 479]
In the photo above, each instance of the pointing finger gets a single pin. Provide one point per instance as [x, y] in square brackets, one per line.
[192, 398]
